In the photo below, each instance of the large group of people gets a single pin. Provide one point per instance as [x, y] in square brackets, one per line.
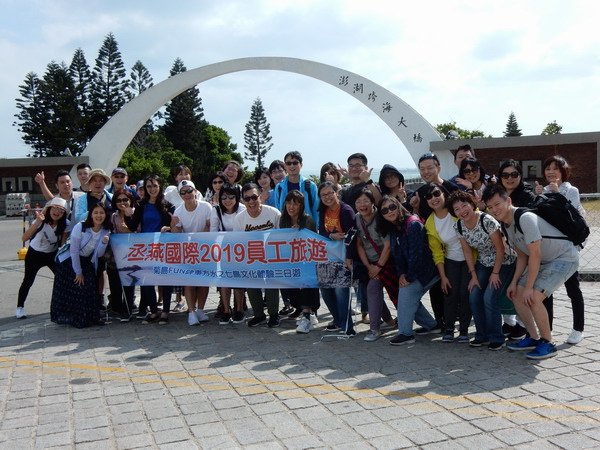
[455, 239]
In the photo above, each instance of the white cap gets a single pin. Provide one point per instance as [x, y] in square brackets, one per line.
[186, 183]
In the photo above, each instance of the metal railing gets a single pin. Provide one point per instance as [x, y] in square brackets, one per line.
[589, 260]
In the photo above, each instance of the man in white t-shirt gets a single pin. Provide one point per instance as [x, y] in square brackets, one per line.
[192, 216]
[259, 217]
[543, 265]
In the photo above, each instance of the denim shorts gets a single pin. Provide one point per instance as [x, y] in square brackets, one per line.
[551, 276]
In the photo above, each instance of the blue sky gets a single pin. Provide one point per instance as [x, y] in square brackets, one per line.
[471, 62]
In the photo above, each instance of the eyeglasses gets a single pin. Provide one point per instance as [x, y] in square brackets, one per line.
[122, 200]
[387, 209]
[185, 191]
[355, 166]
[292, 163]
[252, 198]
[327, 194]
[217, 182]
[507, 175]
[228, 197]
[432, 194]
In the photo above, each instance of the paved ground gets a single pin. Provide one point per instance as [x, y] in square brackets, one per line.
[175, 386]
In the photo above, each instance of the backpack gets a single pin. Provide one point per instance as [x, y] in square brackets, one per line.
[559, 212]
[307, 190]
[459, 224]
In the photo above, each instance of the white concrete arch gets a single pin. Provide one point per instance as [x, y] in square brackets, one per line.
[107, 146]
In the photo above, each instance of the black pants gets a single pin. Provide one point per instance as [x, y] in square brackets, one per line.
[303, 298]
[121, 297]
[148, 298]
[456, 302]
[436, 296]
[34, 261]
[576, 297]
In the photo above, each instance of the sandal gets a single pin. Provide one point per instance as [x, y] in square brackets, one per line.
[365, 318]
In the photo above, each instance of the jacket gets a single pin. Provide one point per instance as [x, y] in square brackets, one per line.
[311, 205]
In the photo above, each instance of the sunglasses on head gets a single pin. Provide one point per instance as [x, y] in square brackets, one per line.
[292, 163]
[432, 194]
[507, 175]
[387, 209]
[122, 200]
[186, 191]
[251, 198]
[227, 197]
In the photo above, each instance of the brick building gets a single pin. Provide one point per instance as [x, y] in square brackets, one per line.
[581, 150]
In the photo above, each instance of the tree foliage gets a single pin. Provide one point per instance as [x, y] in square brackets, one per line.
[81, 75]
[29, 120]
[444, 128]
[512, 127]
[140, 80]
[257, 137]
[156, 156]
[109, 84]
[552, 128]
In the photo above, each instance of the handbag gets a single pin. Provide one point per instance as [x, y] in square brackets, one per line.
[387, 275]
[64, 252]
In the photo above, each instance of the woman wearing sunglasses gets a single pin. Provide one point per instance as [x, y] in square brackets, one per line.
[222, 218]
[121, 200]
[192, 217]
[215, 184]
[449, 259]
[414, 264]
[473, 178]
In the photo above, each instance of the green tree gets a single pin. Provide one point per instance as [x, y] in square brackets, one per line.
[218, 149]
[81, 75]
[109, 84]
[257, 137]
[184, 117]
[512, 127]
[444, 128]
[552, 128]
[140, 81]
[156, 156]
[62, 121]
[30, 116]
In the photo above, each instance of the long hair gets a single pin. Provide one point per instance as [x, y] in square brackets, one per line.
[384, 226]
[116, 195]
[475, 165]
[160, 199]
[430, 187]
[258, 174]
[229, 189]
[330, 168]
[322, 208]
[61, 225]
[89, 221]
[296, 197]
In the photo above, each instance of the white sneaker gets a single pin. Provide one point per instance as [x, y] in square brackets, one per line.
[575, 337]
[193, 319]
[372, 336]
[202, 317]
[304, 326]
[21, 313]
[313, 319]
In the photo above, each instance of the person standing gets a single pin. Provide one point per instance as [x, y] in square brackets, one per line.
[259, 217]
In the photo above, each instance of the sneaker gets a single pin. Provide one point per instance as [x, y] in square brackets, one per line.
[463, 339]
[193, 319]
[495, 346]
[448, 337]
[401, 339]
[125, 318]
[304, 326]
[575, 337]
[273, 322]
[286, 310]
[295, 314]
[224, 319]
[527, 343]
[141, 315]
[372, 336]
[313, 319]
[506, 329]
[422, 331]
[179, 307]
[256, 320]
[238, 317]
[163, 320]
[478, 342]
[518, 332]
[543, 350]
[350, 333]
[21, 313]
[332, 327]
[202, 317]
[355, 311]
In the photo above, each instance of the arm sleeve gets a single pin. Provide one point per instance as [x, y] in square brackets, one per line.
[435, 244]
[416, 252]
[75, 246]
[133, 222]
[214, 220]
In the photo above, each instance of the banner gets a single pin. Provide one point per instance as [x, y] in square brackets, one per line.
[280, 258]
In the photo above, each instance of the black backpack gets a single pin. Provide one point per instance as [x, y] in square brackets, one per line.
[559, 212]
[459, 225]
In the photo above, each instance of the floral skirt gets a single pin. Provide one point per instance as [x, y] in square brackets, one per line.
[73, 304]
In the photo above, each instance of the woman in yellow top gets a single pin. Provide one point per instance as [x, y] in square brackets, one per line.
[450, 262]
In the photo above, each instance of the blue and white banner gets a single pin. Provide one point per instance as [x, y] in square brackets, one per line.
[281, 258]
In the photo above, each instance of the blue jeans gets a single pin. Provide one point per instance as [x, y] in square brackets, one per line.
[484, 303]
[338, 303]
[411, 309]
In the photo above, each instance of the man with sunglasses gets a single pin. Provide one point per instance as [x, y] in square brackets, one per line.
[259, 217]
[293, 180]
